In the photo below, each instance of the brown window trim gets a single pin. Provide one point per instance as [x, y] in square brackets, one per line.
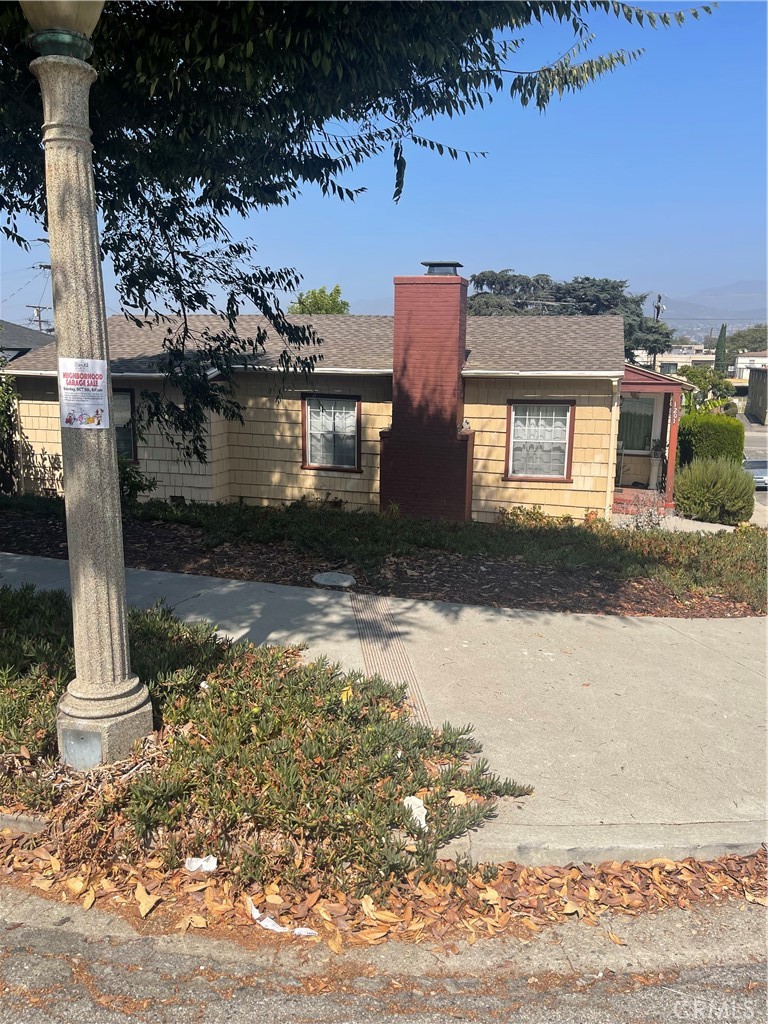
[305, 464]
[568, 478]
[134, 443]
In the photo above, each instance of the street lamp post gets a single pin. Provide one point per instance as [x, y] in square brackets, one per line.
[105, 709]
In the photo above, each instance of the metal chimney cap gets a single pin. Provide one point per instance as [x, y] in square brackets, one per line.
[444, 268]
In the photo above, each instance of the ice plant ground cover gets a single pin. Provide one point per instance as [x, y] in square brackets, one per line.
[280, 768]
[295, 777]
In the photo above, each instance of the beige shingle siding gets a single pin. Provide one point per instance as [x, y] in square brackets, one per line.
[38, 410]
[265, 451]
[41, 432]
[485, 406]
[260, 459]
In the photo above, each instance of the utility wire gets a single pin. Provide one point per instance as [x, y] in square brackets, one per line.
[31, 281]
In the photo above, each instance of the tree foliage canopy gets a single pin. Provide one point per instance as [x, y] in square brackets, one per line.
[506, 293]
[205, 110]
[708, 382]
[320, 300]
[748, 339]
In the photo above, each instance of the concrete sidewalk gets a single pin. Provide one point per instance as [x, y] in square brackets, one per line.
[643, 737]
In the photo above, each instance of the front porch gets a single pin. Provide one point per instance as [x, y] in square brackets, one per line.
[647, 439]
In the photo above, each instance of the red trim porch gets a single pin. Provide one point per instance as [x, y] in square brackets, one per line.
[640, 383]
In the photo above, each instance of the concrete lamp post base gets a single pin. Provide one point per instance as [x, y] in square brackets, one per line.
[86, 741]
[105, 710]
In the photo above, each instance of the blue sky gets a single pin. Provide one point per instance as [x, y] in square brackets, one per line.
[656, 174]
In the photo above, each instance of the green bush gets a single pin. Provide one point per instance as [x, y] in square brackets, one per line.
[133, 482]
[708, 436]
[715, 491]
[731, 409]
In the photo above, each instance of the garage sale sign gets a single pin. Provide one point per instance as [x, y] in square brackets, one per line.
[83, 397]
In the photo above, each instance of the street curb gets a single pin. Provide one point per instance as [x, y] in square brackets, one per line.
[22, 823]
[559, 846]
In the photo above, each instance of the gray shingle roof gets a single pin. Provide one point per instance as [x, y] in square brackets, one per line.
[14, 337]
[526, 344]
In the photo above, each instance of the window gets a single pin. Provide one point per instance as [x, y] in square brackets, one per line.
[331, 432]
[122, 417]
[540, 440]
[636, 423]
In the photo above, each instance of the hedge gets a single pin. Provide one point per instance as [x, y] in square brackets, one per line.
[715, 491]
[708, 436]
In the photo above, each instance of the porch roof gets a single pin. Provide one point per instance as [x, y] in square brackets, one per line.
[649, 381]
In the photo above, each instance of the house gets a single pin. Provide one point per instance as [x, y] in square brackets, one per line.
[16, 340]
[746, 361]
[430, 411]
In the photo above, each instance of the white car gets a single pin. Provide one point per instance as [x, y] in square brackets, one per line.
[759, 470]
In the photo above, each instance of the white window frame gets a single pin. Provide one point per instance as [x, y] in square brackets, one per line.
[307, 406]
[567, 476]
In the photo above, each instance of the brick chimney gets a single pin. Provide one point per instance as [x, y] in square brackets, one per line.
[426, 456]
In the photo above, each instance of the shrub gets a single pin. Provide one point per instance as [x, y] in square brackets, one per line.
[524, 515]
[133, 482]
[528, 517]
[731, 409]
[715, 491]
[707, 436]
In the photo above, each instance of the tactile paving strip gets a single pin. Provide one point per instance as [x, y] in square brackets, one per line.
[384, 652]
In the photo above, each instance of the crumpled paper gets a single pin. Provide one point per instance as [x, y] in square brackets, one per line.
[418, 811]
[208, 863]
[272, 926]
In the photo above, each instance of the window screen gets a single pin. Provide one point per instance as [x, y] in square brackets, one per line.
[539, 442]
[331, 425]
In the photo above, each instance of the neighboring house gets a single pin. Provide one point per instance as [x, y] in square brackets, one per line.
[757, 395]
[430, 411]
[746, 361]
[16, 340]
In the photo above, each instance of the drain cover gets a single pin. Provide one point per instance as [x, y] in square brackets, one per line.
[334, 579]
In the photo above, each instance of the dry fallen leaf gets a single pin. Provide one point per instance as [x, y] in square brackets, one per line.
[387, 917]
[368, 906]
[616, 938]
[144, 899]
[335, 941]
[88, 900]
[457, 798]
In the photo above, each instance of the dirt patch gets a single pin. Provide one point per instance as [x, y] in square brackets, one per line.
[434, 576]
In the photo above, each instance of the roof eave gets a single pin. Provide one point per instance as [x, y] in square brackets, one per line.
[568, 374]
[11, 372]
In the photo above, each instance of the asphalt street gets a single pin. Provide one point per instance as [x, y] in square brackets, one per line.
[61, 965]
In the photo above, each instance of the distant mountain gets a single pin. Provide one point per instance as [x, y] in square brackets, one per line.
[742, 297]
[739, 305]
[742, 300]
